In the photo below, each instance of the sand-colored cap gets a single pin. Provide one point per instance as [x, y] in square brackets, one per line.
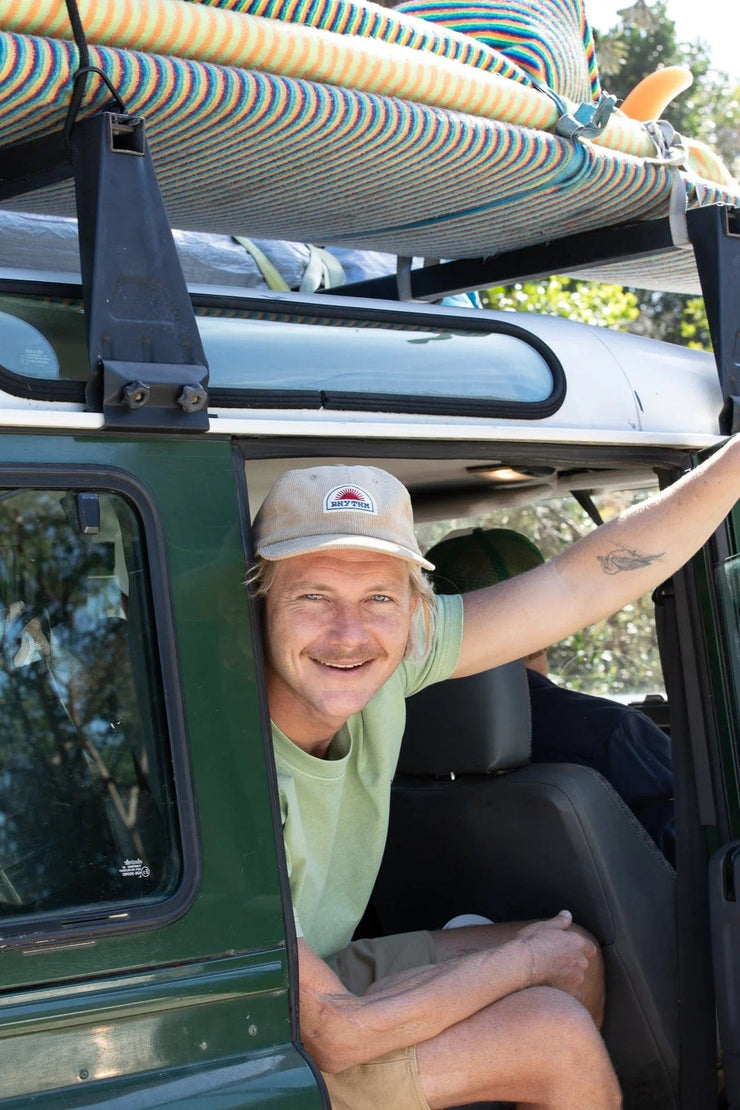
[326, 508]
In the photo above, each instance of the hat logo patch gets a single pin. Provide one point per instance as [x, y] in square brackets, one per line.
[349, 498]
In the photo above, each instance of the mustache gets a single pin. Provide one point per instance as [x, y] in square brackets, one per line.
[343, 657]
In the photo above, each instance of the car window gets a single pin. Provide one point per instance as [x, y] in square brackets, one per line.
[86, 793]
[617, 657]
[283, 359]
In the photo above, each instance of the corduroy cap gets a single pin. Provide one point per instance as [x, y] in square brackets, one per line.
[326, 508]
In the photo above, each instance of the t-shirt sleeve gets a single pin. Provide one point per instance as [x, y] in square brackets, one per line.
[442, 658]
[283, 794]
[296, 918]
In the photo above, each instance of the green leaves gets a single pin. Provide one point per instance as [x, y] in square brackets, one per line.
[609, 306]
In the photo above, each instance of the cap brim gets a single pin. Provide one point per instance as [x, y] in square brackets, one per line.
[304, 545]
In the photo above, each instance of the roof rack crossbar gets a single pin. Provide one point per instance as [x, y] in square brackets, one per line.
[616, 243]
[33, 165]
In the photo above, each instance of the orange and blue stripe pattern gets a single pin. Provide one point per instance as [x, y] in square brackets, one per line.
[199, 31]
[280, 132]
[550, 40]
[354, 17]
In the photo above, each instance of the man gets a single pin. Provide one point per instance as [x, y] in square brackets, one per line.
[474, 1014]
[619, 742]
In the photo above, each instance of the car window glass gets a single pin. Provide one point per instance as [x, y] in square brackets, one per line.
[332, 360]
[86, 796]
[617, 657]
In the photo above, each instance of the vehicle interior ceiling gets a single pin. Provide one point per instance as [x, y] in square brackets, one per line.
[596, 855]
[445, 488]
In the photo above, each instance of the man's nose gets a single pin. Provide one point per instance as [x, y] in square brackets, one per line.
[348, 624]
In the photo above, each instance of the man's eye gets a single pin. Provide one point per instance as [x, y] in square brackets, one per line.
[313, 597]
[380, 597]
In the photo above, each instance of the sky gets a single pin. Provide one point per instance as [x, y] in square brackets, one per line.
[715, 21]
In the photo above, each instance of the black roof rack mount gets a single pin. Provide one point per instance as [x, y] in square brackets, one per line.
[715, 236]
[148, 370]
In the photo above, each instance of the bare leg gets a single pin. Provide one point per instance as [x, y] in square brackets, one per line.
[458, 942]
[538, 1048]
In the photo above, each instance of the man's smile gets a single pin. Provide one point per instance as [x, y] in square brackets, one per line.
[358, 666]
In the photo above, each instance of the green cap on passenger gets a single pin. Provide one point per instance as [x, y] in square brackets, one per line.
[481, 557]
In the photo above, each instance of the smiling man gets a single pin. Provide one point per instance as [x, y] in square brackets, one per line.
[352, 627]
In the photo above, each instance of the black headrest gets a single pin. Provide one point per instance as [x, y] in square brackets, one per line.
[475, 725]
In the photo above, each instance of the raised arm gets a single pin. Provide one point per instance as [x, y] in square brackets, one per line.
[602, 572]
[341, 1029]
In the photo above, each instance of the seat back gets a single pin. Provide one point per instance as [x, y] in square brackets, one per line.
[475, 828]
[488, 716]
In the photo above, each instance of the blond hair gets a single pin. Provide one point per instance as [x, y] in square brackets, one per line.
[261, 575]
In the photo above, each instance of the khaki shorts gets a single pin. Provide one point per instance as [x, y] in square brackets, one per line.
[392, 1081]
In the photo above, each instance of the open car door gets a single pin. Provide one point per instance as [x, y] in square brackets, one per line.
[724, 881]
[699, 612]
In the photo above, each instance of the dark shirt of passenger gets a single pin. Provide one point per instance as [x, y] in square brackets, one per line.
[619, 742]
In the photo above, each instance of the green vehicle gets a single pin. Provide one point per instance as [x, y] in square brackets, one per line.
[147, 951]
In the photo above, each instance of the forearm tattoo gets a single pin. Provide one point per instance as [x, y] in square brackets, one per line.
[625, 558]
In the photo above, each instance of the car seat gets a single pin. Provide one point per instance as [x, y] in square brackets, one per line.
[475, 827]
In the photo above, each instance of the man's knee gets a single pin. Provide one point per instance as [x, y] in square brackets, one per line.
[558, 1015]
[537, 1046]
[572, 1045]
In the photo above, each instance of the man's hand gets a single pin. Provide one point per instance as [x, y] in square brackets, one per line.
[559, 955]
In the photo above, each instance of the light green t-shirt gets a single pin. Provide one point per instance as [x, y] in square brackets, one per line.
[335, 810]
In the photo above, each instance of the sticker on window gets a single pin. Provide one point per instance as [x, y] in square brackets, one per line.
[134, 869]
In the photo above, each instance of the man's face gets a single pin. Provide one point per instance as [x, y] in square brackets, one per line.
[336, 629]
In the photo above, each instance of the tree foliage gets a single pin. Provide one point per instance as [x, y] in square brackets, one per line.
[591, 303]
[644, 40]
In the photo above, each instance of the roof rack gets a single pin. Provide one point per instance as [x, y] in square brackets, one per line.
[147, 366]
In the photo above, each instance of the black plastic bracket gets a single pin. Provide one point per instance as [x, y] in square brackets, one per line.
[148, 368]
[729, 417]
[714, 232]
